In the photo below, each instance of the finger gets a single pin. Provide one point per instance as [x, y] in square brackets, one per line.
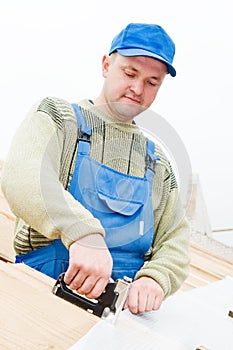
[77, 280]
[132, 301]
[150, 301]
[70, 274]
[157, 302]
[143, 303]
[87, 286]
[97, 289]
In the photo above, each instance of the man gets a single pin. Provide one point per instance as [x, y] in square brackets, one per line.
[93, 196]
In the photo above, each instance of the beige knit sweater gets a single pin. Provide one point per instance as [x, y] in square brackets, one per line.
[38, 170]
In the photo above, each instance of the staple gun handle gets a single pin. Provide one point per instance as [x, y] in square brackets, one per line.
[101, 306]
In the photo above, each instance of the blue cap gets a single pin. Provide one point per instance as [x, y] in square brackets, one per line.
[139, 39]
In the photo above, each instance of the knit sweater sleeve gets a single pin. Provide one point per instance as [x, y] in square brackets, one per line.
[31, 178]
[168, 260]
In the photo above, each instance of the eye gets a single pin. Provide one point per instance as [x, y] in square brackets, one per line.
[152, 83]
[129, 74]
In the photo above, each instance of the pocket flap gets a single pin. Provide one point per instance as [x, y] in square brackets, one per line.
[127, 208]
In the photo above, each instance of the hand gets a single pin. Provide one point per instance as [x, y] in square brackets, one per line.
[145, 294]
[90, 266]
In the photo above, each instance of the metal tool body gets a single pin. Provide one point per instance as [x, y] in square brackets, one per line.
[110, 302]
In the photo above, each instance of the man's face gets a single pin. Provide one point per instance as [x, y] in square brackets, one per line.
[131, 84]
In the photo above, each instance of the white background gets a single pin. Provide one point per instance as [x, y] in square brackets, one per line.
[54, 48]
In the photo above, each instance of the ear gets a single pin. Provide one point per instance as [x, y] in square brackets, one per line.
[105, 65]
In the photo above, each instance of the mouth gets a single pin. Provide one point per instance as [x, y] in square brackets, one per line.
[132, 99]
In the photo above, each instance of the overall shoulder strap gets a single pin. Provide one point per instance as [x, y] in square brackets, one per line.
[84, 131]
[81, 120]
[151, 158]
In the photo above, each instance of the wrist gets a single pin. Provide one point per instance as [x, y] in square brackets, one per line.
[94, 240]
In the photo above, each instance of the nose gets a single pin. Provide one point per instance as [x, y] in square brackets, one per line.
[137, 86]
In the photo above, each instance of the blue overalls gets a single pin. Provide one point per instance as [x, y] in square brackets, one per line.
[122, 203]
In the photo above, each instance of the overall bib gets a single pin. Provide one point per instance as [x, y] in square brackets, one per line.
[122, 203]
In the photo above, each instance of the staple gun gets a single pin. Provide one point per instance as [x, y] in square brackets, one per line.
[107, 305]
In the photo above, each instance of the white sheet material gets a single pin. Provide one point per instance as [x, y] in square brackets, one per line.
[184, 322]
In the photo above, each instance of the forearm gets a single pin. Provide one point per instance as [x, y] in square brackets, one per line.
[169, 264]
[169, 258]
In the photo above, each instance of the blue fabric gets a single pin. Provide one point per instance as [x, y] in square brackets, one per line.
[143, 39]
[51, 260]
[121, 202]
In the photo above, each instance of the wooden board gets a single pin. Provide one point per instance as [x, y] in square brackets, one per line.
[6, 238]
[6, 227]
[32, 317]
[206, 267]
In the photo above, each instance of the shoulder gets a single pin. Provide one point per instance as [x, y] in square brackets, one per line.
[160, 153]
[58, 109]
[164, 161]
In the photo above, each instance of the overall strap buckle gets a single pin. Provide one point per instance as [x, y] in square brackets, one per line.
[151, 158]
[83, 136]
[150, 163]
[84, 129]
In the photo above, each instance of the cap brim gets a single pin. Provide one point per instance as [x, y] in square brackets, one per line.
[141, 52]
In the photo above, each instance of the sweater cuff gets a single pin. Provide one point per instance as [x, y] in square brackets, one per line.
[75, 233]
[160, 278]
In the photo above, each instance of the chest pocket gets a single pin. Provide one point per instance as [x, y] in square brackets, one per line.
[121, 193]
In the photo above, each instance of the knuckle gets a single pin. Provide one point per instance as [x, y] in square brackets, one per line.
[93, 295]
[141, 310]
[133, 309]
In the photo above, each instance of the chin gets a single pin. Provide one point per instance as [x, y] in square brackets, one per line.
[127, 111]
